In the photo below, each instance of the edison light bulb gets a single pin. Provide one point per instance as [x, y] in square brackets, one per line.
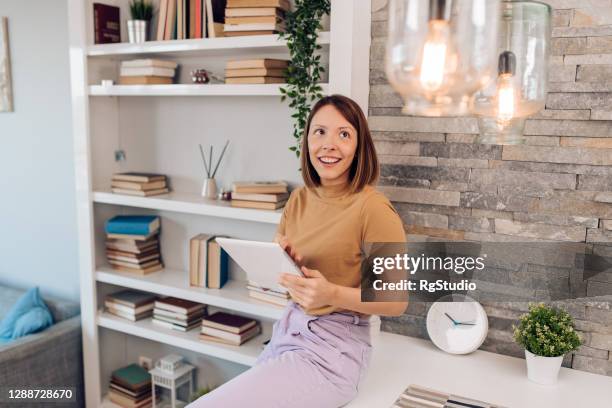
[507, 94]
[505, 97]
[433, 59]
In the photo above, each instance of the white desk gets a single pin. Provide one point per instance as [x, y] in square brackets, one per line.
[398, 361]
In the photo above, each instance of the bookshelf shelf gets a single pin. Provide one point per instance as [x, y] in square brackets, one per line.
[246, 354]
[225, 46]
[168, 282]
[189, 204]
[190, 90]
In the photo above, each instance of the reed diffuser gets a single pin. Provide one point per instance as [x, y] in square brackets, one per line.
[209, 188]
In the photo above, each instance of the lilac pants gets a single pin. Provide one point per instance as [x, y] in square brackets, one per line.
[310, 362]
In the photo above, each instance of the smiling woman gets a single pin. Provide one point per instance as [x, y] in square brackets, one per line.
[320, 348]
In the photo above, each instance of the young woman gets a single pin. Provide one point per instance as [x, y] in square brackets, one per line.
[320, 348]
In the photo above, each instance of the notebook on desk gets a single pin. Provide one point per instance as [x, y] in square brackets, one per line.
[416, 396]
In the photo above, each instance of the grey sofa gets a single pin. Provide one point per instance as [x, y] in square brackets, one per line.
[50, 358]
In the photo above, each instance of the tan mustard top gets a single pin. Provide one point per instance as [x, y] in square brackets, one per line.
[328, 226]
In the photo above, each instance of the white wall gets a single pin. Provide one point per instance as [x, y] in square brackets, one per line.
[38, 244]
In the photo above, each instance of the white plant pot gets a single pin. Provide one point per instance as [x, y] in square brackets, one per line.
[543, 370]
[137, 31]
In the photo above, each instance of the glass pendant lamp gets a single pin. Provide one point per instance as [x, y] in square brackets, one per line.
[522, 74]
[440, 52]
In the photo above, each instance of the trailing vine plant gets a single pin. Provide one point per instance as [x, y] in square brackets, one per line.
[305, 69]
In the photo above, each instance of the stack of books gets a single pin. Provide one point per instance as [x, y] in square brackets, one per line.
[130, 387]
[178, 314]
[139, 184]
[268, 295]
[256, 71]
[255, 17]
[228, 328]
[132, 243]
[265, 195]
[147, 72]
[130, 304]
[208, 262]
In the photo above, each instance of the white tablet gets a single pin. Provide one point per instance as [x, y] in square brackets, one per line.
[262, 261]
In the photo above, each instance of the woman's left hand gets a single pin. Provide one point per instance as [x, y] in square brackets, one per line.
[313, 291]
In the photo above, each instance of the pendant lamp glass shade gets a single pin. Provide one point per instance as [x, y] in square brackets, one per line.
[440, 52]
[522, 75]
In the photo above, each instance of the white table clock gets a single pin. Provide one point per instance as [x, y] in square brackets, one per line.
[459, 326]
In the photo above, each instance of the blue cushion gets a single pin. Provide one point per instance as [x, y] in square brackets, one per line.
[28, 315]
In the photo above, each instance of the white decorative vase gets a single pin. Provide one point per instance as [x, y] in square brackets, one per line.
[209, 188]
[137, 31]
[542, 370]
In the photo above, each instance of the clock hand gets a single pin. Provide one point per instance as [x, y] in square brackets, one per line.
[452, 320]
[466, 324]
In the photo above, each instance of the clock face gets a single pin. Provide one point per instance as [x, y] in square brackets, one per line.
[459, 326]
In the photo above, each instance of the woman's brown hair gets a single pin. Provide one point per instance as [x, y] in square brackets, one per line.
[364, 169]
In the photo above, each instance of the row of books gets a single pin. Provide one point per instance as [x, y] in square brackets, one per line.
[186, 19]
[266, 195]
[139, 184]
[255, 17]
[182, 315]
[256, 71]
[147, 72]
[132, 243]
[130, 387]
[208, 262]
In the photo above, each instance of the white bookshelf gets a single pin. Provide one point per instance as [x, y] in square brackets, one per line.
[158, 134]
[189, 203]
[189, 90]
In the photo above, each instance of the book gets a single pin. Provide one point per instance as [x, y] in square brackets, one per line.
[260, 205]
[129, 185]
[131, 246]
[148, 63]
[146, 71]
[132, 260]
[196, 318]
[107, 24]
[275, 26]
[202, 267]
[217, 271]
[254, 72]
[180, 19]
[269, 292]
[282, 4]
[144, 80]
[138, 177]
[136, 395]
[140, 271]
[146, 193]
[132, 236]
[215, 17]
[172, 326]
[180, 316]
[129, 316]
[132, 377]
[263, 187]
[253, 12]
[170, 20]
[198, 260]
[127, 309]
[178, 305]
[257, 63]
[144, 265]
[192, 15]
[228, 322]
[133, 224]
[131, 298]
[161, 22]
[274, 299]
[244, 33]
[269, 198]
[231, 338]
[273, 19]
[127, 403]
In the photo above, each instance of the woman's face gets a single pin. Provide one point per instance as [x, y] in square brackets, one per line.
[332, 143]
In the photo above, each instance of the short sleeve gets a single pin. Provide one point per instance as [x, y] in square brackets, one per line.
[381, 222]
[281, 230]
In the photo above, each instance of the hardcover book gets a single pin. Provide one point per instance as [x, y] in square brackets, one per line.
[107, 24]
[133, 224]
[228, 322]
[131, 298]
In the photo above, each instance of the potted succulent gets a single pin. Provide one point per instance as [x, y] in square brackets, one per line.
[141, 12]
[547, 334]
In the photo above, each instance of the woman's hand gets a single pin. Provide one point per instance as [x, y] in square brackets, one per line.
[311, 291]
[283, 241]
